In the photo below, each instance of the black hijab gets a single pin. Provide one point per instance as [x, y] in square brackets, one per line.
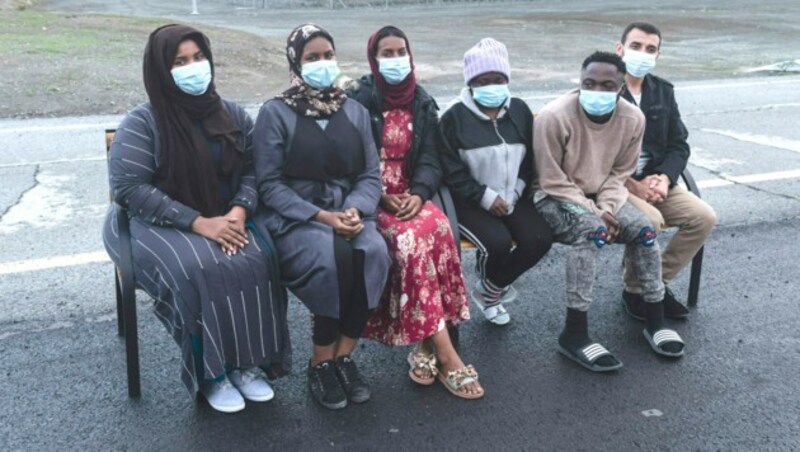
[186, 169]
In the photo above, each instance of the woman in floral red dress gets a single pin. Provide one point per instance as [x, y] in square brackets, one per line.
[425, 291]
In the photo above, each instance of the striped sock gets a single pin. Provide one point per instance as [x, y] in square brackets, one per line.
[491, 293]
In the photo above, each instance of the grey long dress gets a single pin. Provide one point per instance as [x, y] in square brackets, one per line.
[223, 311]
[303, 166]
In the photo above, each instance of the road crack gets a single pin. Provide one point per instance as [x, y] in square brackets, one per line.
[36, 183]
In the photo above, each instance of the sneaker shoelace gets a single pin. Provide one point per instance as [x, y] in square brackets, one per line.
[350, 371]
[327, 376]
[223, 385]
[252, 374]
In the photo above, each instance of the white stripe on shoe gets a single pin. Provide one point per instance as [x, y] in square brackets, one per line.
[594, 351]
[662, 336]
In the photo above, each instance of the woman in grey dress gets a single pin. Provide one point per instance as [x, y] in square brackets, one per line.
[182, 166]
[317, 174]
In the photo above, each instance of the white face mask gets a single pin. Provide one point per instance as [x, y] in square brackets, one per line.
[394, 70]
[193, 78]
[637, 63]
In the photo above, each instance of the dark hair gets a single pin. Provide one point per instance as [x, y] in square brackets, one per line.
[605, 57]
[645, 27]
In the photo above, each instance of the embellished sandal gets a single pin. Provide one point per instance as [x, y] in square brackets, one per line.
[424, 362]
[663, 337]
[456, 379]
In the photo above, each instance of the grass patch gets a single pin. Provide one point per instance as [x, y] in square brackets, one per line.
[54, 64]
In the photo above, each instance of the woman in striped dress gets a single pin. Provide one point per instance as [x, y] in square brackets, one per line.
[182, 166]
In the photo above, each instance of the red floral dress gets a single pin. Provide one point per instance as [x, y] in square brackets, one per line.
[425, 289]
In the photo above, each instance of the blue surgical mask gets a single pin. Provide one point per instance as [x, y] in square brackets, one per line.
[193, 78]
[491, 96]
[638, 64]
[320, 74]
[394, 70]
[598, 103]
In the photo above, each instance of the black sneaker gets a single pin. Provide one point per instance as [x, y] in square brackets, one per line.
[673, 308]
[325, 387]
[633, 304]
[356, 388]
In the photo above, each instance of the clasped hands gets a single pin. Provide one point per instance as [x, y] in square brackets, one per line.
[404, 206]
[348, 224]
[652, 188]
[228, 231]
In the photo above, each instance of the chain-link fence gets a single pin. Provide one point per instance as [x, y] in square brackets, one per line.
[332, 4]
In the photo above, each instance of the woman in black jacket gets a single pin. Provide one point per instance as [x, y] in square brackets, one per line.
[488, 161]
[425, 291]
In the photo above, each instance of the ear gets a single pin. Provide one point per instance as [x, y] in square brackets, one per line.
[619, 49]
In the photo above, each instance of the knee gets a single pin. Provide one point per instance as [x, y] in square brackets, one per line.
[536, 244]
[704, 219]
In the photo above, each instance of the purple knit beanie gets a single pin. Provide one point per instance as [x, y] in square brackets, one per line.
[486, 56]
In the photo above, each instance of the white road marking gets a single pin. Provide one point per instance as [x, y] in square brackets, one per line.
[742, 84]
[47, 162]
[69, 260]
[763, 140]
[62, 128]
[749, 179]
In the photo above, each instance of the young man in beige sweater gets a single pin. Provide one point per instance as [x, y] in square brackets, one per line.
[587, 145]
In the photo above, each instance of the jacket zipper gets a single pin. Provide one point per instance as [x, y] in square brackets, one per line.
[505, 151]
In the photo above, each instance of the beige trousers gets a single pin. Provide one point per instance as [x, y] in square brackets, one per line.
[694, 219]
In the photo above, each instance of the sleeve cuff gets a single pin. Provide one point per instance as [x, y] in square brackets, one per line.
[488, 198]
[520, 187]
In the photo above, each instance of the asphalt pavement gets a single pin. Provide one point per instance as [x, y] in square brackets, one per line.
[736, 388]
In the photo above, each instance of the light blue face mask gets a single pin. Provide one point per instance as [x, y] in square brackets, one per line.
[320, 74]
[394, 70]
[491, 96]
[638, 64]
[598, 103]
[193, 78]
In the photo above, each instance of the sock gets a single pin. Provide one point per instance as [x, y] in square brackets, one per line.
[654, 316]
[654, 321]
[576, 330]
[491, 294]
[576, 336]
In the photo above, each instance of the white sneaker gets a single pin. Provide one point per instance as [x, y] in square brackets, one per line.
[252, 384]
[222, 396]
[495, 313]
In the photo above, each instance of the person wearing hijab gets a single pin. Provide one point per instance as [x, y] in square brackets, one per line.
[488, 162]
[181, 165]
[318, 179]
[425, 291]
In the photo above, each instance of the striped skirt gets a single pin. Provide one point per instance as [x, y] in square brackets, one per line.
[230, 307]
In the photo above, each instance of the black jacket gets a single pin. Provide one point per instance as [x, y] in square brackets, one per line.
[422, 160]
[463, 130]
[664, 133]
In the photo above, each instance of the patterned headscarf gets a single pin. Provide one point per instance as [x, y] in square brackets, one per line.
[301, 97]
[392, 96]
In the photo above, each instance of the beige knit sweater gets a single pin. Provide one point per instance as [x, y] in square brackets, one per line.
[576, 157]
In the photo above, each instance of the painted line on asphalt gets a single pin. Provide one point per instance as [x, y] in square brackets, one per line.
[61, 128]
[749, 179]
[763, 140]
[69, 260]
[742, 84]
[47, 162]
[72, 260]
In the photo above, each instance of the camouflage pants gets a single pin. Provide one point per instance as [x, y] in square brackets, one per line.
[586, 234]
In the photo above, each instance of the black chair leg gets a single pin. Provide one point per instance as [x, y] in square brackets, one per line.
[120, 313]
[694, 279]
[132, 344]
